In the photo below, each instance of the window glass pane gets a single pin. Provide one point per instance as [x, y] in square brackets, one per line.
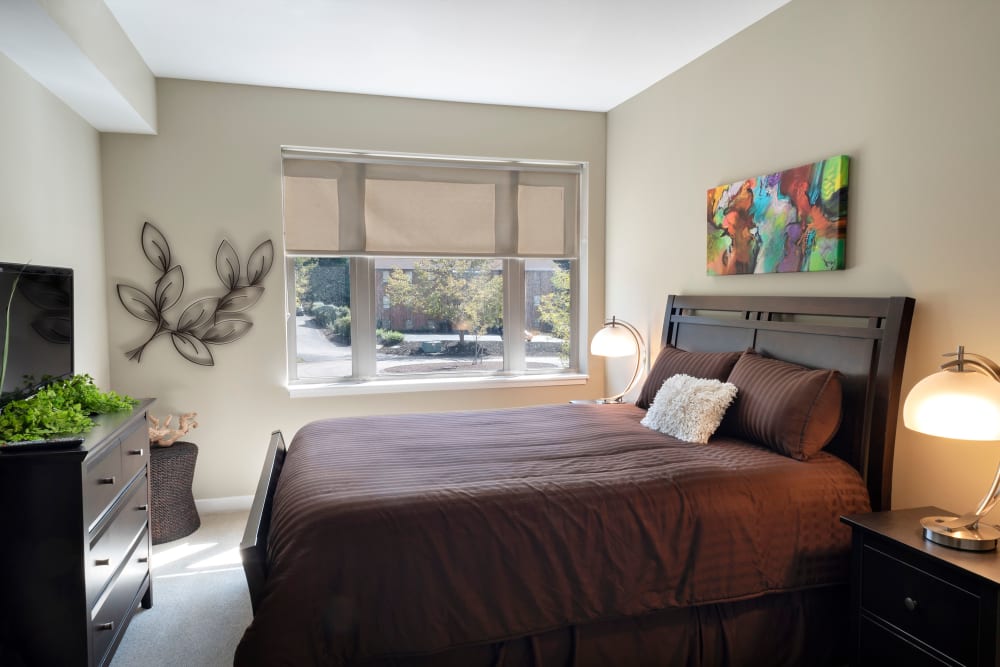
[547, 317]
[322, 317]
[439, 316]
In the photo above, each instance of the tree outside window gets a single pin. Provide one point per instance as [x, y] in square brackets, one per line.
[467, 294]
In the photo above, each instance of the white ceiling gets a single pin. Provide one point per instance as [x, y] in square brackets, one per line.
[565, 54]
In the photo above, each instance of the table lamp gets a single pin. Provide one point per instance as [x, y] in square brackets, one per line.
[962, 402]
[618, 338]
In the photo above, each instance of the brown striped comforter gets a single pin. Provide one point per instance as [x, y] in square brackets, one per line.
[403, 535]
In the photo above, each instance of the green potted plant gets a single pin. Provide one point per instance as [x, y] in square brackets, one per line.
[59, 409]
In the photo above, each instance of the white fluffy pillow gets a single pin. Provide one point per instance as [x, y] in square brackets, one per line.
[689, 408]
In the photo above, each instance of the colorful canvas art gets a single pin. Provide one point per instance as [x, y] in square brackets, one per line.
[793, 220]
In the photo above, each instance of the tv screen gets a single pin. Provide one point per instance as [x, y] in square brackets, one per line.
[36, 327]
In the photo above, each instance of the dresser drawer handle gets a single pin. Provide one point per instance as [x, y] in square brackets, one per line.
[102, 561]
[106, 480]
[142, 559]
[141, 508]
[110, 625]
[135, 452]
[909, 603]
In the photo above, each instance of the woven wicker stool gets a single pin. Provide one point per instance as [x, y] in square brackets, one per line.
[171, 471]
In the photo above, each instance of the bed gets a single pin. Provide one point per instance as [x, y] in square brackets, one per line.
[572, 534]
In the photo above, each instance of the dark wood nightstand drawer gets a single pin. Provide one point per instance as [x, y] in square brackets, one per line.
[882, 647]
[914, 602]
[930, 609]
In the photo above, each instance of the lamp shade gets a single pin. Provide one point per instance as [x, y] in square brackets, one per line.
[613, 340]
[962, 405]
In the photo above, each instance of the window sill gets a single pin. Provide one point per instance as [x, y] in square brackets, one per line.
[309, 389]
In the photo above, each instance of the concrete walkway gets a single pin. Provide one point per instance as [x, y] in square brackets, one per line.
[318, 357]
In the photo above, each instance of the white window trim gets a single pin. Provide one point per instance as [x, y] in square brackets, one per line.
[305, 389]
[365, 380]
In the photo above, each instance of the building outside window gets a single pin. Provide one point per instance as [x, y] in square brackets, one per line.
[475, 266]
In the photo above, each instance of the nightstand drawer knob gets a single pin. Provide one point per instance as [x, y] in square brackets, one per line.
[106, 480]
[102, 561]
[909, 603]
[110, 625]
[135, 452]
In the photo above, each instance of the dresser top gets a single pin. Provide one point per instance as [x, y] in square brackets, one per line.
[106, 426]
[903, 527]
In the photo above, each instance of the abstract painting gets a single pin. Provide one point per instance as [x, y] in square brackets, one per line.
[789, 221]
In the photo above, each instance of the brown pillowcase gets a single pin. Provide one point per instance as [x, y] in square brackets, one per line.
[672, 360]
[791, 409]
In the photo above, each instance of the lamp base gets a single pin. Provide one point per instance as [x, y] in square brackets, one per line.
[980, 538]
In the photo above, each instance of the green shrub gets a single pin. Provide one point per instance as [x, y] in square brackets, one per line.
[324, 315]
[388, 337]
[342, 327]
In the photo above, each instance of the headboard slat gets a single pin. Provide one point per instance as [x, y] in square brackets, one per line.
[768, 324]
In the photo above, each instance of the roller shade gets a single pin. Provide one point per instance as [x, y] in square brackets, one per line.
[429, 216]
[361, 205]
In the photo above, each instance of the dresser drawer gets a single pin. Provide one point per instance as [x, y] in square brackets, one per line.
[934, 611]
[135, 451]
[109, 548]
[881, 647]
[110, 619]
[102, 482]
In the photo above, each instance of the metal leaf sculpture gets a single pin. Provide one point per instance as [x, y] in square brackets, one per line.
[203, 322]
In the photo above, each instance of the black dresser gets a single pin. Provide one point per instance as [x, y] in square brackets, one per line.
[74, 545]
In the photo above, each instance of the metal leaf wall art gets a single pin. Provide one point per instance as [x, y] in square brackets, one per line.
[214, 320]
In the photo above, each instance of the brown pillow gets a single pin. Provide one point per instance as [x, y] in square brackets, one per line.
[672, 360]
[791, 409]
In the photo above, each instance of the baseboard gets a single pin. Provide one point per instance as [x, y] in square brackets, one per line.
[228, 504]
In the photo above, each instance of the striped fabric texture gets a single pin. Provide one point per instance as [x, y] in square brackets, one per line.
[791, 409]
[407, 535]
[672, 360]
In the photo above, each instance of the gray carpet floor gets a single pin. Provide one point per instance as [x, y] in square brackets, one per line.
[200, 601]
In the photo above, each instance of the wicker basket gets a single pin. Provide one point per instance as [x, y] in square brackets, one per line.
[171, 471]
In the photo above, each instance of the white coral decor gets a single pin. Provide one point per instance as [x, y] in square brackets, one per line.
[689, 408]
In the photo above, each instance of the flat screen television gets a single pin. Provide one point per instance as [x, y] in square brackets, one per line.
[36, 327]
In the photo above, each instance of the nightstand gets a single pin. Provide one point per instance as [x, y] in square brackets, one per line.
[918, 603]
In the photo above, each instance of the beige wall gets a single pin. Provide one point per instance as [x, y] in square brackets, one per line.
[50, 202]
[212, 172]
[908, 89]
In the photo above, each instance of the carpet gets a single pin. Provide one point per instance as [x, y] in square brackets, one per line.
[200, 600]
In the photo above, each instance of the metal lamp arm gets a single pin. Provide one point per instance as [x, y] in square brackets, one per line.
[977, 362]
[971, 519]
[966, 532]
[639, 359]
[988, 367]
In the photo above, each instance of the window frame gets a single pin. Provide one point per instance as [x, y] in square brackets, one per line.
[364, 316]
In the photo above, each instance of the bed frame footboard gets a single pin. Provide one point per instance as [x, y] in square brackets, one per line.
[253, 548]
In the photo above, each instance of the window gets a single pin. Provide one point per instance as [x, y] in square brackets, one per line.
[408, 268]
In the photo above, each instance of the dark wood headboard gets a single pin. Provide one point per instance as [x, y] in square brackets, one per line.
[864, 338]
